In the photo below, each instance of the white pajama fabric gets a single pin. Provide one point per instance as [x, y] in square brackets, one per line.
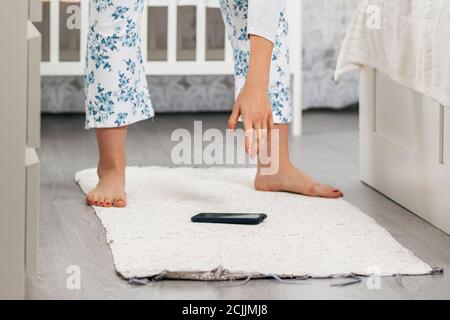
[264, 17]
[116, 88]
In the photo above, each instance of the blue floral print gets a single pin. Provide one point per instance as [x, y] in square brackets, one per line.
[89, 78]
[101, 5]
[120, 12]
[241, 58]
[101, 107]
[116, 87]
[139, 5]
[235, 15]
[121, 119]
[240, 6]
[131, 34]
[131, 66]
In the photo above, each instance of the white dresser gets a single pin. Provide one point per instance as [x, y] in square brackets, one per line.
[20, 56]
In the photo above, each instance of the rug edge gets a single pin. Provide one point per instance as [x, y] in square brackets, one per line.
[213, 275]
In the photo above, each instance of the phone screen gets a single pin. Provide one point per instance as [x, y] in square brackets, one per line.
[231, 215]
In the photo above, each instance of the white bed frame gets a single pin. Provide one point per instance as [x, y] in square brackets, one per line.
[171, 66]
[405, 147]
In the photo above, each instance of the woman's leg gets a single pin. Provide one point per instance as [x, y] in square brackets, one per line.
[287, 178]
[116, 90]
[110, 190]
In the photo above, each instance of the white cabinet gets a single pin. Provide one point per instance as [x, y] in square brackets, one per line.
[33, 86]
[19, 136]
[32, 204]
[35, 10]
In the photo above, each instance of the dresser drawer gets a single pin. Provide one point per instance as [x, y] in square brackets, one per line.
[32, 205]
[33, 87]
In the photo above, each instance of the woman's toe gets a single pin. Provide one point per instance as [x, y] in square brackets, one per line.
[90, 198]
[108, 203]
[101, 202]
[119, 203]
[337, 194]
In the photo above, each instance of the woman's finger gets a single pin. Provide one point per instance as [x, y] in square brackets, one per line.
[264, 152]
[263, 136]
[234, 117]
[248, 131]
[257, 138]
[271, 124]
[265, 123]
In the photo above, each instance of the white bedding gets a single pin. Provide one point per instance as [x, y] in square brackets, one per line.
[411, 44]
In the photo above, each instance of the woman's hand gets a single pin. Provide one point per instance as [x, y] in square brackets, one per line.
[253, 102]
[254, 106]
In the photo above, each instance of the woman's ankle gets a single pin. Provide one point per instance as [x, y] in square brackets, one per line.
[283, 166]
[111, 169]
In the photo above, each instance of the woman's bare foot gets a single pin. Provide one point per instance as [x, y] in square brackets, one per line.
[291, 179]
[110, 190]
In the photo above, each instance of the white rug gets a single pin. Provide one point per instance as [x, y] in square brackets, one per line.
[302, 236]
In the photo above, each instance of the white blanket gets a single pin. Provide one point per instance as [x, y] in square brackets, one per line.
[409, 40]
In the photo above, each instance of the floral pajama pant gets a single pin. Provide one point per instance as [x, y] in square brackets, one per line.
[235, 16]
[116, 89]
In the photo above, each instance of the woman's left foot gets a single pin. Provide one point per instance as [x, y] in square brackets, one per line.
[291, 179]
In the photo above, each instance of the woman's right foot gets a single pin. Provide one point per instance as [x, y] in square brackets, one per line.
[110, 190]
[291, 179]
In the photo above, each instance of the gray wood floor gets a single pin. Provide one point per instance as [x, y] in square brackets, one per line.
[72, 235]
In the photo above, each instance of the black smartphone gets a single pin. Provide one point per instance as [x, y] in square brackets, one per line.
[230, 218]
